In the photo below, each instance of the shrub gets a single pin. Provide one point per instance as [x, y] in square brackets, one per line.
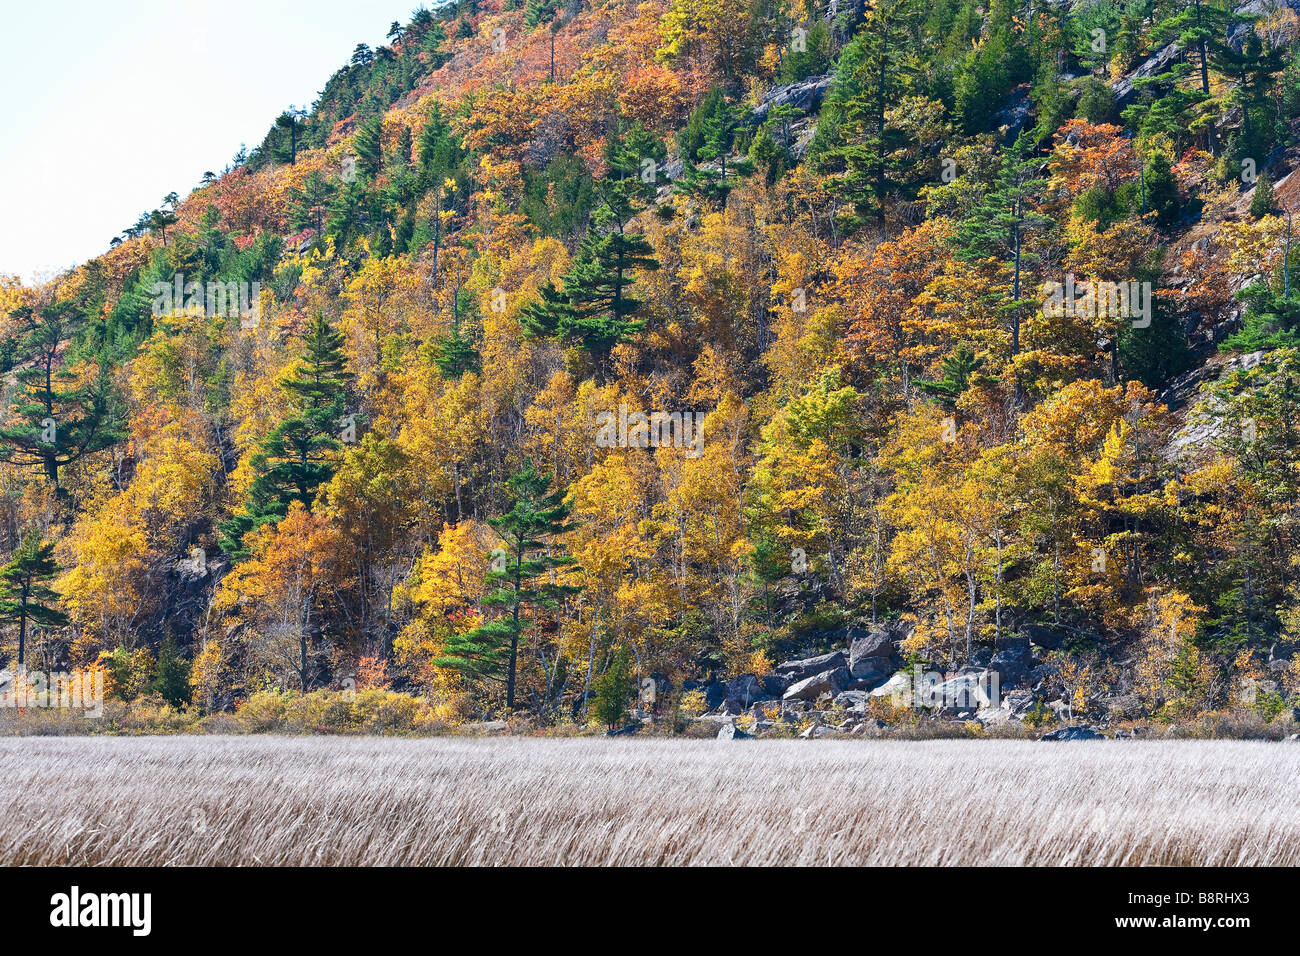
[263, 711]
[378, 711]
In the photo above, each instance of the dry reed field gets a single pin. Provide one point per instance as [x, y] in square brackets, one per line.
[349, 801]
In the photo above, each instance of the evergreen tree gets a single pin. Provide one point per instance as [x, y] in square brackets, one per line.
[958, 369]
[539, 11]
[717, 138]
[885, 68]
[368, 145]
[24, 597]
[998, 223]
[612, 690]
[296, 458]
[594, 308]
[456, 354]
[523, 575]
[56, 426]
[1262, 203]
[171, 676]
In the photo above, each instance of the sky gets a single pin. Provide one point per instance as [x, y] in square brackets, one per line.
[107, 107]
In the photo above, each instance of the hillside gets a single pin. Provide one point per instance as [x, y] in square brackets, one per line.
[572, 363]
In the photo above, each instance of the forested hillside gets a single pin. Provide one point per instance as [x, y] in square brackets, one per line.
[565, 347]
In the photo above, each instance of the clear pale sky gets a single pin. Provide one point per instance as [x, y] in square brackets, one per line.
[109, 106]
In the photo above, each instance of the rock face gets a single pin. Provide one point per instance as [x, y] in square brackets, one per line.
[745, 690]
[795, 671]
[1074, 733]
[1012, 660]
[827, 682]
[1124, 89]
[804, 96]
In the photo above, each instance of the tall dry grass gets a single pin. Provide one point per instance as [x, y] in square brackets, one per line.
[267, 800]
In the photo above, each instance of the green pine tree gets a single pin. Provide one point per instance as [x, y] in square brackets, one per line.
[594, 308]
[56, 426]
[523, 575]
[25, 599]
[998, 223]
[296, 458]
[456, 354]
[612, 690]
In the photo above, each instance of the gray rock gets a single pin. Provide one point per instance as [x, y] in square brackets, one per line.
[870, 680]
[1122, 706]
[744, 690]
[774, 685]
[827, 682]
[854, 700]
[964, 694]
[874, 656]
[1012, 664]
[805, 95]
[1044, 636]
[799, 670]
[900, 686]
[729, 731]
[1074, 733]
[1163, 59]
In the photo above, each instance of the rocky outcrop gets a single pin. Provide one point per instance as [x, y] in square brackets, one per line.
[805, 96]
[799, 670]
[830, 682]
[1164, 58]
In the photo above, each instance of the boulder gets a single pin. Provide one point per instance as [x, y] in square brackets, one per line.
[874, 655]
[1013, 664]
[774, 685]
[964, 694]
[804, 95]
[898, 687]
[870, 680]
[1122, 706]
[800, 670]
[714, 695]
[818, 730]
[729, 731]
[1075, 733]
[854, 700]
[1044, 636]
[827, 682]
[745, 689]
